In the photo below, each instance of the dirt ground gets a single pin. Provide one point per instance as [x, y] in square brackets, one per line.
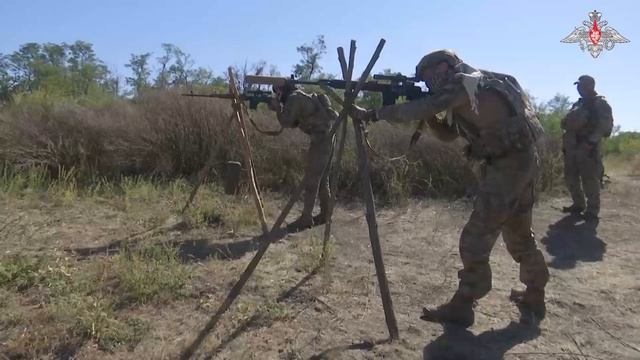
[593, 308]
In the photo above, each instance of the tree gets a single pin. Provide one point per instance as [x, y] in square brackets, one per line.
[552, 112]
[181, 67]
[23, 64]
[309, 65]
[559, 104]
[139, 65]
[6, 81]
[162, 80]
[85, 68]
[55, 54]
[60, 69]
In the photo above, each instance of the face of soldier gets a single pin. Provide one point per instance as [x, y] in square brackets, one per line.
[436, 77]
[585, 90]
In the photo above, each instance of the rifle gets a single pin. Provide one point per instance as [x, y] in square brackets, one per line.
[254, 97]
[391, 86]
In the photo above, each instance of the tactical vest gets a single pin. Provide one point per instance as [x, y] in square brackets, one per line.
[592, 117]
[319, 117]
[518, 132]
[511, 90]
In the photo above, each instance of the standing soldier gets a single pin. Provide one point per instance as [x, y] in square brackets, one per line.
[312, 113]
[491, 111]
[589, 120]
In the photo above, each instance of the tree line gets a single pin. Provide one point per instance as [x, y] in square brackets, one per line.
[75, 70]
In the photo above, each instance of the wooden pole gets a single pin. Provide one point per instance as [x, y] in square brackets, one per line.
[248, 159]
[342, 123]
[266, 241]
[367, 191]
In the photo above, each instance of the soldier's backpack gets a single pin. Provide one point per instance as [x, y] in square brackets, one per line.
[591, 108]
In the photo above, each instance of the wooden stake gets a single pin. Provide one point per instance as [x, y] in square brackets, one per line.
[367, 191]
[248, 159]
[342, 124]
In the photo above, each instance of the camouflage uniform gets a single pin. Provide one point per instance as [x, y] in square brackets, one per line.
[584, 127]
[492, 113]
[313, 114]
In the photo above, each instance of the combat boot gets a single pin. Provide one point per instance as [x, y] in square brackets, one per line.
[301, 223]
[305, 220]
[458, 311]
[320, 219]
[531, 305]
[573, 209]
[590, 217]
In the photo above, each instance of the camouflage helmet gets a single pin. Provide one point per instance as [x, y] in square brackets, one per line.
[435, 58]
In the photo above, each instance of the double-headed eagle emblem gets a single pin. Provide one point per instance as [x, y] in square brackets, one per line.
[595, 35]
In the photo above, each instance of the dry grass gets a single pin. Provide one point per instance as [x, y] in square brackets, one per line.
[169, 136]
[65, 303]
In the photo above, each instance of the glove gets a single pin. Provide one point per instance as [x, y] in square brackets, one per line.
[363, 114]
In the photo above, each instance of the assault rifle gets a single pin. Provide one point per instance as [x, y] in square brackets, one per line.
[391, 86]
[254, 97]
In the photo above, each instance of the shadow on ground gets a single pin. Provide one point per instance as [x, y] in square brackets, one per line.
[570, 240]
[334, 352]
[457, 343]
[189, 249]
[256, 321]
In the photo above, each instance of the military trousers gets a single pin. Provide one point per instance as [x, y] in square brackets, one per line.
[582, 173]
[504, 204]
[316, 173]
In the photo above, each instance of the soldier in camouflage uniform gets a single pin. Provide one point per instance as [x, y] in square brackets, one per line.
[311, 113]
[492, 113]
[589, 120]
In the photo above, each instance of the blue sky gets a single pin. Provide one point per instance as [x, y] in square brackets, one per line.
[520, 38]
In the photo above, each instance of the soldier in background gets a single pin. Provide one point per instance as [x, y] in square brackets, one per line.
[491, 111]
[313, 114]
[589, 120]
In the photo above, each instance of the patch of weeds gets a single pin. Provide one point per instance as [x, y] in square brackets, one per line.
[309, 253]
[271, 312]
[138, 190]
[75, 308]
[65, 188]
[177, 193]
[42, 334]
[207, 214]
[240, 214]
[19, 272]
[101, 187]
[152, 272]
[244, 311]
[15, 182]
[11, 314]
[93, 318]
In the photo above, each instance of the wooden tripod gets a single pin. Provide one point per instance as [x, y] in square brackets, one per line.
[367, 192]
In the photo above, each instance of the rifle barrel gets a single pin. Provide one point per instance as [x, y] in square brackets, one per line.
[218, 96]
